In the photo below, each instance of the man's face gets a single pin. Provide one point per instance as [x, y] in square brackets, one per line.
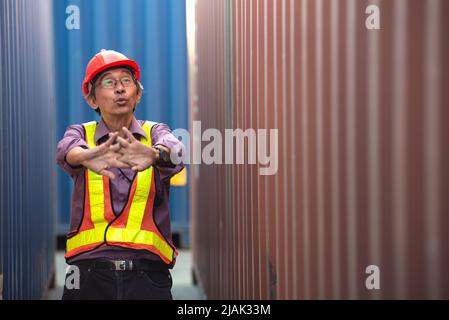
[115, 97]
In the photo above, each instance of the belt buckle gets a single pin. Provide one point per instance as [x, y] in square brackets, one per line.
[123, 265]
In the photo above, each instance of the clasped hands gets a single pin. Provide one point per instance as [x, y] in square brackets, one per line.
[121, 150]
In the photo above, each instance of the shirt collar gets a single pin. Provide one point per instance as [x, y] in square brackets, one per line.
[102, 130]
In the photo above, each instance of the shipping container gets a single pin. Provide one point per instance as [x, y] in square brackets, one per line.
[27, 140]
[152, 32]
[358, 91]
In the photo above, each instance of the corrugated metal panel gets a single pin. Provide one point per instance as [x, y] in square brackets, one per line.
[363, 159]
[151, 32]
[27, 139]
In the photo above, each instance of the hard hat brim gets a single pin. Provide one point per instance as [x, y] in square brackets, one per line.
[130, 63]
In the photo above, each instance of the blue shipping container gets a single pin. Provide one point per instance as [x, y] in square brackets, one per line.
[27, 140]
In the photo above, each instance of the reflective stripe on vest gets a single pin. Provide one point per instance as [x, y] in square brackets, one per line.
[134, 227]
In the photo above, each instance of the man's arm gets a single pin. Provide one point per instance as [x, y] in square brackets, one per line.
[73, 140]
[73, 155]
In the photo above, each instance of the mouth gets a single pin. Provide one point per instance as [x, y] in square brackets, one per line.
[121, 102]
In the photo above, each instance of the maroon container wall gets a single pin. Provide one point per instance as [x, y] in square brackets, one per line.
[363, 153]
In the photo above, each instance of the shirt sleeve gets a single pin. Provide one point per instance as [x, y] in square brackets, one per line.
[73, 137]
[162, 135]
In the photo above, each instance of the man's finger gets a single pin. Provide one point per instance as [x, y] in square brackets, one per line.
[90, 153]
[108, 142]
[123, 142]
[128, 134]
[102, 148]
[137, 168]
[117, 163]
[115, 147]
[112, 136]
[107, 173]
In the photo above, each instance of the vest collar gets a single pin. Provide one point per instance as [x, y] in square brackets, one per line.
[102, 130]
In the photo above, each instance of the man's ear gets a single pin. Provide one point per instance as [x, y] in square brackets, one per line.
[91, 102]
[139, 96]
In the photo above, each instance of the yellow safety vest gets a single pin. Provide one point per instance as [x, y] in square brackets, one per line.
[134, 227]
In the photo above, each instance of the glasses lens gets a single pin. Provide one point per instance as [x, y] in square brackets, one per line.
[108, 83]
[126, 82]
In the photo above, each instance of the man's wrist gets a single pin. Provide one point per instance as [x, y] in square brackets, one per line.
[163, 157]
[158, 154]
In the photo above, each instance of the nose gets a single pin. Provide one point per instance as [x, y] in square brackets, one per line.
[119, 88]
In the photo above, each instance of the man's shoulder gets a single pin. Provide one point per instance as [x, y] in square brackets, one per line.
[79, 127]
[82, 124]
[141, 122]
[154, 125]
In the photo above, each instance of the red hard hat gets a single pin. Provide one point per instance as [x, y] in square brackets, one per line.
[106, 59]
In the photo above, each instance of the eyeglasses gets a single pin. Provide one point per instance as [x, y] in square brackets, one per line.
[110, 83]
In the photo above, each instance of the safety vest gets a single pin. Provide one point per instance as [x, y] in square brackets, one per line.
[134, 226]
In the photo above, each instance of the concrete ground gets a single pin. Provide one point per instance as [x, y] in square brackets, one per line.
[183, 288]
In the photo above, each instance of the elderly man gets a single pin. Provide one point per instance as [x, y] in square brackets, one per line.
[120, 237]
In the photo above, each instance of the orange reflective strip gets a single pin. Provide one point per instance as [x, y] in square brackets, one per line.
[87, 223]
[148, 221]
[150, 248]
[122, 221]
[81, 249]
[108, 212]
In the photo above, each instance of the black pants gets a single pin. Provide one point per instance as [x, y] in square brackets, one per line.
[95, 283]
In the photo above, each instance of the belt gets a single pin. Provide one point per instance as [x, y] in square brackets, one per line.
[123, 265]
